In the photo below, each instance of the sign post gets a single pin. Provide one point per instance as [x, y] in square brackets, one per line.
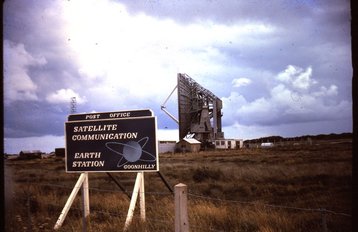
[70, 200]
[85, 201]
[137, 190]
[122, 141]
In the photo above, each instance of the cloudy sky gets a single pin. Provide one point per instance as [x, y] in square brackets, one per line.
[281, 67]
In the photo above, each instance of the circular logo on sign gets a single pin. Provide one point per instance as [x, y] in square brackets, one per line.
[131, 151]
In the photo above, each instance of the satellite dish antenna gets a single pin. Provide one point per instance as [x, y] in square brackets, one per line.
[199, 111]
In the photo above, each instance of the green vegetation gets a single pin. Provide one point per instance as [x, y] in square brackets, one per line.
[239, 190]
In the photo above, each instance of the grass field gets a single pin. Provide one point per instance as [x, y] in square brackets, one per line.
[290, 188]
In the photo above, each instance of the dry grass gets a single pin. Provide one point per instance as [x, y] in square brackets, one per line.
[228, 191]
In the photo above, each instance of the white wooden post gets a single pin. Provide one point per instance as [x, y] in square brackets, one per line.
[85, 203]
[70, 200]
[137, 190]
[85, 196]
[181, 208]
[142, 198]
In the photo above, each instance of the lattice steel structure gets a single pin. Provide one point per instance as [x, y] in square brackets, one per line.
[73, 105]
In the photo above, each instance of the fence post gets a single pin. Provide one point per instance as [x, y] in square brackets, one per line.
[181, 208]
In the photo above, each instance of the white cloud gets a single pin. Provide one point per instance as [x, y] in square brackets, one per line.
[297, 77]
[64, 96]
[140, 54]
[18, 85]
[239, 82]
[285, 76]
[324, 91]
[232, 106]
[302, 80]
[287, 103]
[281, 95]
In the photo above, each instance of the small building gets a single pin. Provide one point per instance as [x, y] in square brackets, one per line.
[229, 143]
[189, 145]
[34, 154]
[267, 144]
[166, 146]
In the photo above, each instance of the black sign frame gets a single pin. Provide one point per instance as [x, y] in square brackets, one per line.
[127, 144]
[111, 115]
